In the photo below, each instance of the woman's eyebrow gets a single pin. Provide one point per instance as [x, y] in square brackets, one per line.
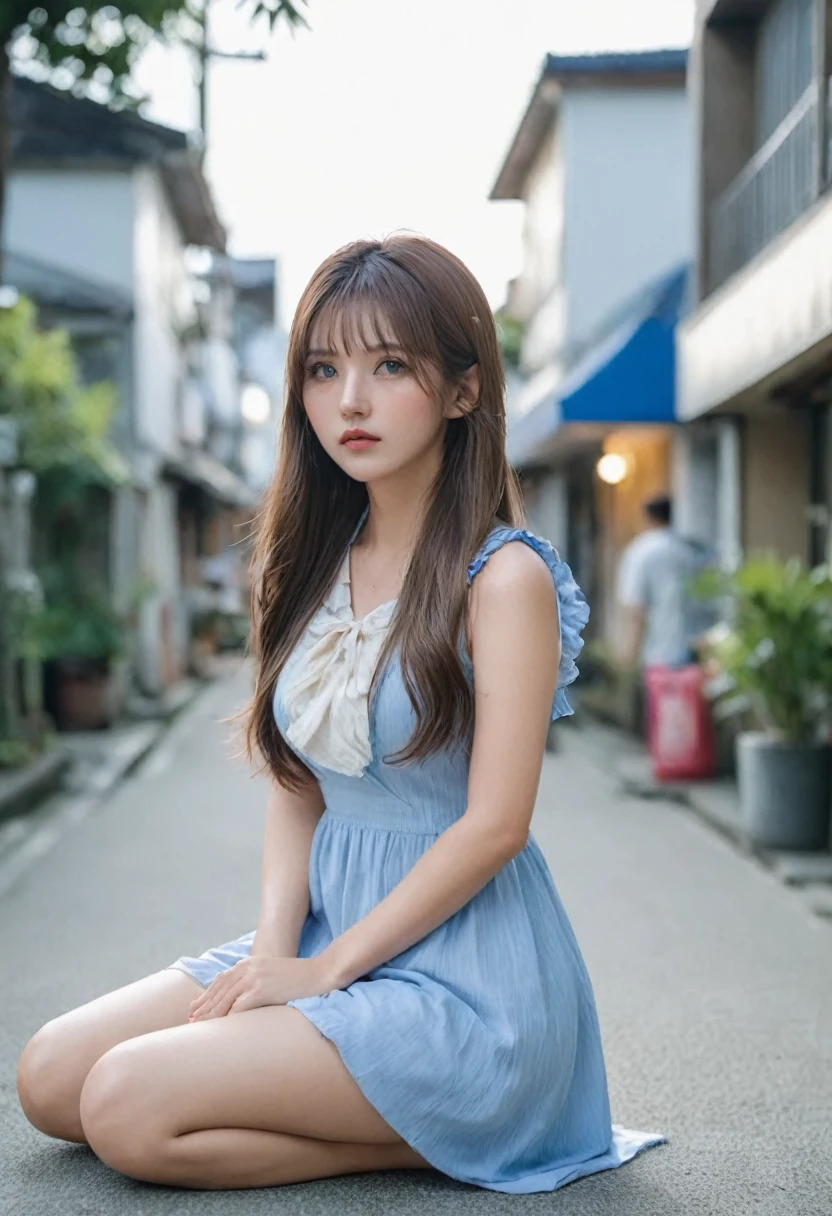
[370, 350]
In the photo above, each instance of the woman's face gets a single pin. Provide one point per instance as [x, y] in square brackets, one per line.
[370, 413]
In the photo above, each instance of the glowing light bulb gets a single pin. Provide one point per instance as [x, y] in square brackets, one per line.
[612, 468]
[255, 404]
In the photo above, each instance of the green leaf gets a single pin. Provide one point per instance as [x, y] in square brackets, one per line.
[96, 46]
[776, 654]
[63, 427]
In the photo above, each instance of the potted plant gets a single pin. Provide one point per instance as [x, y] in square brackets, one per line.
[774, 665]
[79, 636]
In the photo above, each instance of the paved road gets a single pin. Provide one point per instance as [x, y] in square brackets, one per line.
[714, 989]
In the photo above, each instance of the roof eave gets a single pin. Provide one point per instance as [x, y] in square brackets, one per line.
[59, 289]
[534, 124]
[192, 201]
[47, 126]
[544, 102]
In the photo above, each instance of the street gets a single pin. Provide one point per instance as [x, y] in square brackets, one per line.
[713, 984]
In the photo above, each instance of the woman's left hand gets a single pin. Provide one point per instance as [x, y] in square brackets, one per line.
[257, 981]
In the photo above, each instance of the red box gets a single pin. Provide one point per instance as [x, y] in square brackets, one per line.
[680, 732]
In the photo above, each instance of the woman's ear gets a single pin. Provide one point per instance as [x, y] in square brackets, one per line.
[467, 394]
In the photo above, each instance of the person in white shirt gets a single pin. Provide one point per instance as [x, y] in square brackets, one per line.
[653, 590]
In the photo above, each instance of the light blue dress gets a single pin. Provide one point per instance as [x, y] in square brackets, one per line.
[480, 1044]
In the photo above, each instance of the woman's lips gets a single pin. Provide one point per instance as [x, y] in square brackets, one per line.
[358, 444]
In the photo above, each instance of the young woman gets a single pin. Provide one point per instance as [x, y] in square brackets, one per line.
[413, 994]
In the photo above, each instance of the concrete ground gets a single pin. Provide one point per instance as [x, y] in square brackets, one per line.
[713, 983]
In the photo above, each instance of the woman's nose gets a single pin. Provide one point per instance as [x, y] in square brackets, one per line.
[354, 395]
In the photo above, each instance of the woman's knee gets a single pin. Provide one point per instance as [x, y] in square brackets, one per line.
[55, 1063]
[120, 1115]
[48, 1084]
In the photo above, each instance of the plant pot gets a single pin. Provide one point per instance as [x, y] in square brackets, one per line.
[785, 792]
[85, 695]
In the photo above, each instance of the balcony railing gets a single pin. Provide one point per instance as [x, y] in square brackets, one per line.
[775, 187]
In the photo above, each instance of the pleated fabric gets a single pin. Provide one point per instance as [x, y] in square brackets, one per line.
[480, 1044]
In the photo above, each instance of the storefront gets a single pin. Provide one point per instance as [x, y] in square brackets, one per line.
[597, 447]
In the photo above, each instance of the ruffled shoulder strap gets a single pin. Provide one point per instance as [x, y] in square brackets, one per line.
[573, 610]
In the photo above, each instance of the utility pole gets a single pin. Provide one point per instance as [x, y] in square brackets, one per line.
[205, 53]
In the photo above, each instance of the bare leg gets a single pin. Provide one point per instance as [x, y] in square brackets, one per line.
[253, 1099]
[55, 1062]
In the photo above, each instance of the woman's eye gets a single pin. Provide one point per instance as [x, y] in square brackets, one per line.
[393, 366]
[321, 371]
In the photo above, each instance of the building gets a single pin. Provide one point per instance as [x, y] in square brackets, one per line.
[261, 343]
[105, 211]
[755, 352]
[233, 412]
[601, 159]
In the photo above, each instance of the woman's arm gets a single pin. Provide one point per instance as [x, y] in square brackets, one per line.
[291, 820]
[515, 649]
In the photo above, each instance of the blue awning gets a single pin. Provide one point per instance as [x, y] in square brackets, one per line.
[627, 377]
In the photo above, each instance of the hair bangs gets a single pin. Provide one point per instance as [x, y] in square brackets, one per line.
[381, 309]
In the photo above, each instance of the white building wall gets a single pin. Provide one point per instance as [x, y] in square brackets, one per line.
[81, 221]
[164, 305]
[773, 318]
[263, 359]
[222, 376]
[258, 454]
[538, 293]
[629, 196]
[548, 511]
[116, 227]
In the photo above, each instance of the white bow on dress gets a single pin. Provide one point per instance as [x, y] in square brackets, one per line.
[327, 703]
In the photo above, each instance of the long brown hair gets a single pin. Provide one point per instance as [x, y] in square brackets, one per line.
[439, 316]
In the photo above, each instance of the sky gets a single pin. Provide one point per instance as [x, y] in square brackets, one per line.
[384, 115]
